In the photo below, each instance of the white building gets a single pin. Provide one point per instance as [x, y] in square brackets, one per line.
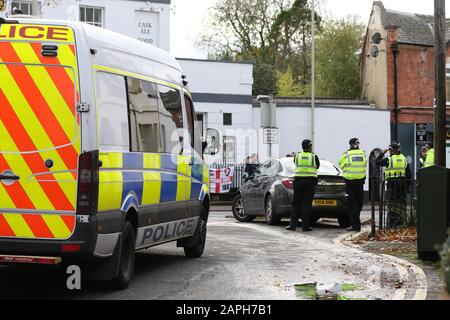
[148, 21]
[222, 92]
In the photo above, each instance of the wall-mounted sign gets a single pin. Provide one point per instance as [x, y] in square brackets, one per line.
[421, 132]
[147, 27]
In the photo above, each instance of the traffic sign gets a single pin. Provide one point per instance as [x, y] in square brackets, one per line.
[270, 135]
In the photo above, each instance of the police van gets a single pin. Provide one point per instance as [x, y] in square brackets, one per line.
[100, 154]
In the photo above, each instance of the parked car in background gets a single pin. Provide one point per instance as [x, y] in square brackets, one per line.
[270, 193]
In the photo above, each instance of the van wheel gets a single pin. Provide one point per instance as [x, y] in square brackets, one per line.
[344, 221]
[200, 236]
[271, 217]
[239, 211]
[127, 257]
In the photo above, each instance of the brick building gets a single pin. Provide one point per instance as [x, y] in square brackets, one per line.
[408, 38]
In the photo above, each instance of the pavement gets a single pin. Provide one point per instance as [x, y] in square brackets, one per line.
[241, 261]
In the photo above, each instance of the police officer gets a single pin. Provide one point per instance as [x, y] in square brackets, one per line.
[306, 165]
[396, 173]
[423, 156]
[353, 164]
[429, 160]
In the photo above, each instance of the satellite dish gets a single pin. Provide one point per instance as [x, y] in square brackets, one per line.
[374, 51]
[376, 38]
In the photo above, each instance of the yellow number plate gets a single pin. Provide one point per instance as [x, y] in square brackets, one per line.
[324, 203]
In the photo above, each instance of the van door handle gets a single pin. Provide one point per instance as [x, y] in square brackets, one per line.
[9, 177]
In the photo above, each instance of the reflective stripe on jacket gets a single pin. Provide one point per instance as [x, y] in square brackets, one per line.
[305, 165]
[353, 164]
[396, 168]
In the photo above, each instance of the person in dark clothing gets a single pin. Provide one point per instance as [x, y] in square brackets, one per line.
[251, 166]
[397, 173]
[354, 166]
[306, 165]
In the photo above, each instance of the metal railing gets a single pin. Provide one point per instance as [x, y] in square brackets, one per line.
[393, 203]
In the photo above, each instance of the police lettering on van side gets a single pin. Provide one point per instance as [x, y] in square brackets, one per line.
[165, 232]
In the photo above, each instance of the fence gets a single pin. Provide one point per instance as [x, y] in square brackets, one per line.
[238, 172]
[393, 203]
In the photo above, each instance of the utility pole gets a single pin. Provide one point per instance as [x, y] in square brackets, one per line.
[440, 83]
[313, 70]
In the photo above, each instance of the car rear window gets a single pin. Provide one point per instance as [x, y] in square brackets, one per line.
[326, 167]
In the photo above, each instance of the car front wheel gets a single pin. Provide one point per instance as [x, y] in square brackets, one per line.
[239, 211]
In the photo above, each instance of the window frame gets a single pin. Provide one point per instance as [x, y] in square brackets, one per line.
[93, 22]
[26, 3]
[225, 123]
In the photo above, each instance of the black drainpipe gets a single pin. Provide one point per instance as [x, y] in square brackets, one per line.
[395, 51]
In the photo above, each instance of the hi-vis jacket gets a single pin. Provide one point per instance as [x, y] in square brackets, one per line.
[353, 164]
[306, 165]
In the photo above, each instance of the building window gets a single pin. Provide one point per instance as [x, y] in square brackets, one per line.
[229, 149]
[25, 7]
[227, 119]
[92, 15]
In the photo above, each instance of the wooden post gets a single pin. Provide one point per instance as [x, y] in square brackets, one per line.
[440, 83]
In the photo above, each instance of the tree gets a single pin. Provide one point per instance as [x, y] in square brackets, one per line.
[291, 37]
[241, 29]
[337, 58]
[286, 85]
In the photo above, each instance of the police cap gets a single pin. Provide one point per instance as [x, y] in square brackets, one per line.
[353, 141]
[306, 143]
[394, 145]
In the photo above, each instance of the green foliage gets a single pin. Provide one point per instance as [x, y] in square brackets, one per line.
[337, 58]
[286, 85]
[265, 78]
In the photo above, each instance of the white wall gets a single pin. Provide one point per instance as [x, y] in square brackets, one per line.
[334, 127]
[119, 15]
[218, 77]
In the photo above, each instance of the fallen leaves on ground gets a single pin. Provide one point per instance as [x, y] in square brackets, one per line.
[389, 235]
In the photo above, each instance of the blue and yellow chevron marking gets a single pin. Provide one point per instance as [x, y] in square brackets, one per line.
[136, 179]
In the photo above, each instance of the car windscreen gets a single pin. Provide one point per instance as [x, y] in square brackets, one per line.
[327, 168]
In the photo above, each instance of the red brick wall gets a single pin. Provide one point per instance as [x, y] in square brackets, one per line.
[415, 79]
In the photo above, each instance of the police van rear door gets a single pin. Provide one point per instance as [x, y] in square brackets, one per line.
[39, 130]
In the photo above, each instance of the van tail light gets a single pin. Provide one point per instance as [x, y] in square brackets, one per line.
[88, 167]
[288, 183]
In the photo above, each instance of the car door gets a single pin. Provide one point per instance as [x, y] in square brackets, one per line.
[250, 201]
[265, 182]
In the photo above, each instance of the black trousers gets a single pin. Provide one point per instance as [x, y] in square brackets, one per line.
[396, 197]
[355, 191]
[304, 190]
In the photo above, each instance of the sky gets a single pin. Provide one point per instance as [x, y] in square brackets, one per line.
[188, 18]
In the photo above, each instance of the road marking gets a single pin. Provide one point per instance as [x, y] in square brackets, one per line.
[421, 279]
[401, 265]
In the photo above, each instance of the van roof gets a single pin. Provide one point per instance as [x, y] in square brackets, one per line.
[111, 40]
